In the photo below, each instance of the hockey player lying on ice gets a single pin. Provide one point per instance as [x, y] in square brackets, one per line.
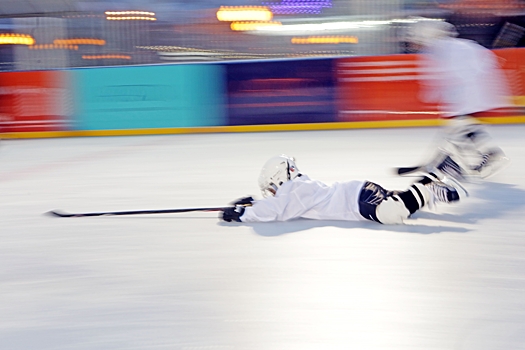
[290, 194]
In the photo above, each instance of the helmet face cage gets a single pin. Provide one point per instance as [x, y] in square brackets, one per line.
[275, 173]
[269, 190]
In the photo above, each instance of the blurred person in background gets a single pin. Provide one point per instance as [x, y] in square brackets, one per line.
[464, 79]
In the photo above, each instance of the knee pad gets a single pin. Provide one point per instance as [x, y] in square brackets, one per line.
[392, 211]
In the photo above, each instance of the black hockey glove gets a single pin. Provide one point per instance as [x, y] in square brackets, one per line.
[233, 213]
[244, 201]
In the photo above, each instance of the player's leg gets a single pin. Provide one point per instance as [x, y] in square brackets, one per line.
[387, 207]
[470, 143]
[442, 163]
[466, 150]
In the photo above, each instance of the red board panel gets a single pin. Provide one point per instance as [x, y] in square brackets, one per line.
[387, 87]
[380, 88]
[34, 101]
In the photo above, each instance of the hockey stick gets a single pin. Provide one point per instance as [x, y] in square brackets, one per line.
[408, 170]
[132, 212]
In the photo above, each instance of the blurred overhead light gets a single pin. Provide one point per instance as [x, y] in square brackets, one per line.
[322, 27]
[326, 40]
[244, 13]
[132, 13]
[250, 26]
[16, 39]
[292, 7]
[53, 47]
[79, 41]
[105, 57]
[130, 16]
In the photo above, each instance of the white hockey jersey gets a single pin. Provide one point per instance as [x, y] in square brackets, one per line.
[310, 199]
[463, 77]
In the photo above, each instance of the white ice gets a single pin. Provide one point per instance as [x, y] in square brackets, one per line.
[449, 279]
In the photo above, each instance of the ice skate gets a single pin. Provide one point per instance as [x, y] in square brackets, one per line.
[491, 163]
[449, 168]
[443, 189]
[442, 164]
[471, 145]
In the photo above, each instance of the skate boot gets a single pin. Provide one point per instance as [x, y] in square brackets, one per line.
[444, 190]
[492, 162]
[443, 165]
[449, 168]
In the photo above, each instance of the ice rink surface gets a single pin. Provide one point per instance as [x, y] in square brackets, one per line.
[449, 279]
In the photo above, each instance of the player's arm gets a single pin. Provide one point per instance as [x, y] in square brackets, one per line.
[263, 210]
[292, 201]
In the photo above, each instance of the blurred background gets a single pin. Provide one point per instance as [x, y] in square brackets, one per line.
[50, 34]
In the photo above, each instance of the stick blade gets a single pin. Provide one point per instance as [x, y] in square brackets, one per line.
[401, 171]
[60, 214]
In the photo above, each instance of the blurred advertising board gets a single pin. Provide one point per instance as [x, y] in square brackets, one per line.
[281, 92]
[146, 97]
[35, 101]
[513, 64]
[376, 88]
[380, 88]
[347, 92]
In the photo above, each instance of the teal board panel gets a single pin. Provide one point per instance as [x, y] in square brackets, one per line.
[136, 97]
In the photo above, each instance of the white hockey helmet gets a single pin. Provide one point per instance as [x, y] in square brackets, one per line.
[426, 30]
[275, 172]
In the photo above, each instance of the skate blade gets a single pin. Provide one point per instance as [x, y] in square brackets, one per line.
[462, 191]
[494, 168]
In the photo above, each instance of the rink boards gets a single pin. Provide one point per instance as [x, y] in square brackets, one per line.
[243, 96]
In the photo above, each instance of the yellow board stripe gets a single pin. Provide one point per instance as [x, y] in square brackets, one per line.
[254, 128]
